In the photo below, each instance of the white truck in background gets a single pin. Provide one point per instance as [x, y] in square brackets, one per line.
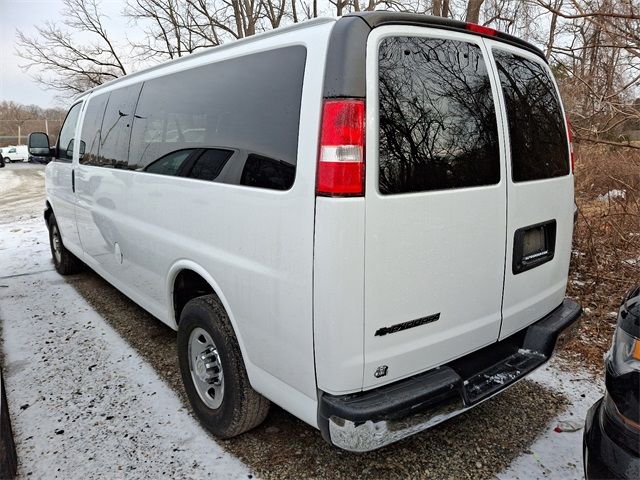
[15, 153]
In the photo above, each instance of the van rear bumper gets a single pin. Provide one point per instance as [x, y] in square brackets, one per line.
[368, 420]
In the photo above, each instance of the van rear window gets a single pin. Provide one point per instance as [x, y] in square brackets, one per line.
[537, 129]
[437, 117]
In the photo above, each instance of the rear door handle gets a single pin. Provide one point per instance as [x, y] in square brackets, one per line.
[73, 180]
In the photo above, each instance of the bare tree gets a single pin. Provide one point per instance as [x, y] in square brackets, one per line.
[274, 11]
[171, 28]
[599, 67]
[59, 61]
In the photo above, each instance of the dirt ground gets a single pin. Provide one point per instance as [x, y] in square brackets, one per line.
[479, 444]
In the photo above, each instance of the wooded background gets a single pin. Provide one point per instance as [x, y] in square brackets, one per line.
[593, 46]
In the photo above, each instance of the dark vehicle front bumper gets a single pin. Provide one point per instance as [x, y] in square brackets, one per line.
[605, 454]
[369, 420]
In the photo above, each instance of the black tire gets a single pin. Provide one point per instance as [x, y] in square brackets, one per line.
[65, 262]
[7, 160]
[242, 408]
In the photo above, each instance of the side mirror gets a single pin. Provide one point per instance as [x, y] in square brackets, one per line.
[39, 144]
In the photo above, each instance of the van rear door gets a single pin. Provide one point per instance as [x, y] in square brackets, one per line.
[435, 201]
[539, 186]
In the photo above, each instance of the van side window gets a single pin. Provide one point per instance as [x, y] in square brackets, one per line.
[67, 132]
[209, 165]
[537, 129]
[91, 126]
[170, 164]
[438, 126]
[249, 104]
[265, 172]
[116, 127]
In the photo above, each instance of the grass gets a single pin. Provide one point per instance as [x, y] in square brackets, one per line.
[606, 245]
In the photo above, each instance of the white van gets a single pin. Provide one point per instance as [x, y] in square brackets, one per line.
[14, 153]
[364, 220]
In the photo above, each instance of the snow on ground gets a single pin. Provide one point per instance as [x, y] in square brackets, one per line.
[83, 404]
[24, 248]
[558, 455]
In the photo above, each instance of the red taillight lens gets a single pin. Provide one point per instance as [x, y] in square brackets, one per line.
[572, 154]
[341, 156]
[474, 27]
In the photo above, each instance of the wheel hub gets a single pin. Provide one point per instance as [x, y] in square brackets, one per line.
[206, 368]
[57, 244]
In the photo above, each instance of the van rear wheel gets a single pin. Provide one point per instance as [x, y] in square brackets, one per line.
[213, 372]
[65, 262]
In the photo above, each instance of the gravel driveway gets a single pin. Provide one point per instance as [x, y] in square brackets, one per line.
[482, 443]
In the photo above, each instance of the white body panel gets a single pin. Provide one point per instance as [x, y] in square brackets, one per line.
[338, 293]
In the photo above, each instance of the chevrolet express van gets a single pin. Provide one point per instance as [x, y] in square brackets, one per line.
[364, 220]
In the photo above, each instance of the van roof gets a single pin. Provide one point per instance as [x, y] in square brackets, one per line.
[377, 18]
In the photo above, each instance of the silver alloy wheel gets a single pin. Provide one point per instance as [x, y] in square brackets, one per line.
[205, 367]
[56, 243]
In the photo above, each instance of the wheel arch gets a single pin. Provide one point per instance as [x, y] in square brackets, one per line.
[48, 211]
[188, 267]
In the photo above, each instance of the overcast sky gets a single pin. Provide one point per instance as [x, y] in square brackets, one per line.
[17, 85]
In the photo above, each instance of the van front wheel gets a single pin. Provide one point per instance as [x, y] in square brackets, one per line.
[65, 262]
[213, 371]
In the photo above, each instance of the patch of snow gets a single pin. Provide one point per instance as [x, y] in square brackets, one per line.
[558, 455]
[24, 248]
[9, 180]
[83, 403]
[503, 377]
[612, 195]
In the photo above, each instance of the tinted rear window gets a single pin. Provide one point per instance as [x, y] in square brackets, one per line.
[537, 129]
[248, 105]
[437, 117]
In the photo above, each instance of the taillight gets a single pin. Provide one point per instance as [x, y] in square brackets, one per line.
[474, 27]
[341, 156]
[572, 154]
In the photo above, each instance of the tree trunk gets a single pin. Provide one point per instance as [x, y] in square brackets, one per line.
[552, 31]
[473, 11]
[437, 8]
